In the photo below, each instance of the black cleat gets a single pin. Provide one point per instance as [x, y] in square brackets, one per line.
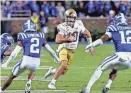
[105, 90]
[83, 91]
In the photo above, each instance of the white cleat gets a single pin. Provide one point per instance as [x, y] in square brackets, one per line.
[51, 86]
[105, 90]
[1, 91]
[47, 74]
[27, 87]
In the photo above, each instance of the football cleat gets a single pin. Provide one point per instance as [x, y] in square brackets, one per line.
[51, 86]
[28, 87]
[105, 90]
[84, 91]
[47, 74]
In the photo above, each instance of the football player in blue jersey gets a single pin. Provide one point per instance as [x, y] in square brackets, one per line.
[31, 41]
[6, 42]
[120, 33]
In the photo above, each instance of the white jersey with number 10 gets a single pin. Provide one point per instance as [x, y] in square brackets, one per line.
[67, 31]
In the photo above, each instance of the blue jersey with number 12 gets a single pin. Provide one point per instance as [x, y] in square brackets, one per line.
[32, 43]
[121, 36]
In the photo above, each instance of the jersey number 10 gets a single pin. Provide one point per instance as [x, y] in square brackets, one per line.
[125, 37]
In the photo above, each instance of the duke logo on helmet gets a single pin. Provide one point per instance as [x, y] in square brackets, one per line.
[29, 26]
[120, 19]
[7, 39]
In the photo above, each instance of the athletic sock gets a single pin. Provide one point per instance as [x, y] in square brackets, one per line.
[29, 81]
[93, 79]
[108, 84]
[53, 81]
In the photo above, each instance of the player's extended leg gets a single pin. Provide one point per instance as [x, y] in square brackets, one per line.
[8, 82]
[106, 64]
[60, 70]
[32, 67]
[28, 84]
[15, 72]
[51, 69]
[121, 65]
[112, 76]
[50, 72]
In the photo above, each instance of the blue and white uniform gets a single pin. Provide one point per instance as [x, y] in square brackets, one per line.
[32, 43]
[121, 36]
[6, 41]
[4, 47]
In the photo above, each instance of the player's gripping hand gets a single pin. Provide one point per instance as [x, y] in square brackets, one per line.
[4, 65]
[70, 39]
[90, 49]
[92, 52]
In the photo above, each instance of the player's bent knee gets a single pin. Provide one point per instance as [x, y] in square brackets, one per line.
[113, 73]
[65, 70]
[63, 64]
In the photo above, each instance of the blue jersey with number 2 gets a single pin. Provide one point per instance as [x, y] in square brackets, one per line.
[121, 36]
[32, 43]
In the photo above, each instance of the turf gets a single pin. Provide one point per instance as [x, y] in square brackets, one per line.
[78, 74]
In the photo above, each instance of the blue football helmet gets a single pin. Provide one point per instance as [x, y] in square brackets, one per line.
[29, 26]
[120, 19]
[7, 38]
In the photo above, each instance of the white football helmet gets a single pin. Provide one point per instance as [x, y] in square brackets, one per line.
[70, 17]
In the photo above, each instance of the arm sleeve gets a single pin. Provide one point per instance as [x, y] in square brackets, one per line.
[94, 44]
[51, 51]
[14, 54]
[109, 30]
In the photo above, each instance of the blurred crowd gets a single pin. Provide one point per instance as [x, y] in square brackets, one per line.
[91, 8]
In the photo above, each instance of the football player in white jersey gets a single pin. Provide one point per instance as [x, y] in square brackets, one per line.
[68, 38]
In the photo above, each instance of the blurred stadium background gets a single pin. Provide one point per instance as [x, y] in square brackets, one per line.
[96, 16]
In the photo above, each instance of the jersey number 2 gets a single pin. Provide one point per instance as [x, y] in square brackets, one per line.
[34, 47]
[125, 37]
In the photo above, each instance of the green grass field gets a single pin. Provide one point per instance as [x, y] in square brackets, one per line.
[77, 76]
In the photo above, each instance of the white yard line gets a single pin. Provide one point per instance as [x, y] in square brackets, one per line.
[41, 67]
[40, 78]
[36, 91]
[59, 91]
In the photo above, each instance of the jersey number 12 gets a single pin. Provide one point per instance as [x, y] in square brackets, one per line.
[125, 37]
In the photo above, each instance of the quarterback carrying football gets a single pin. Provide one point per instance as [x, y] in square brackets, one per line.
[68, 38]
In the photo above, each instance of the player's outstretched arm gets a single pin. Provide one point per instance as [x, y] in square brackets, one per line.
[89, 38]
[13, 54]
[51, 51]
[98, 42]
